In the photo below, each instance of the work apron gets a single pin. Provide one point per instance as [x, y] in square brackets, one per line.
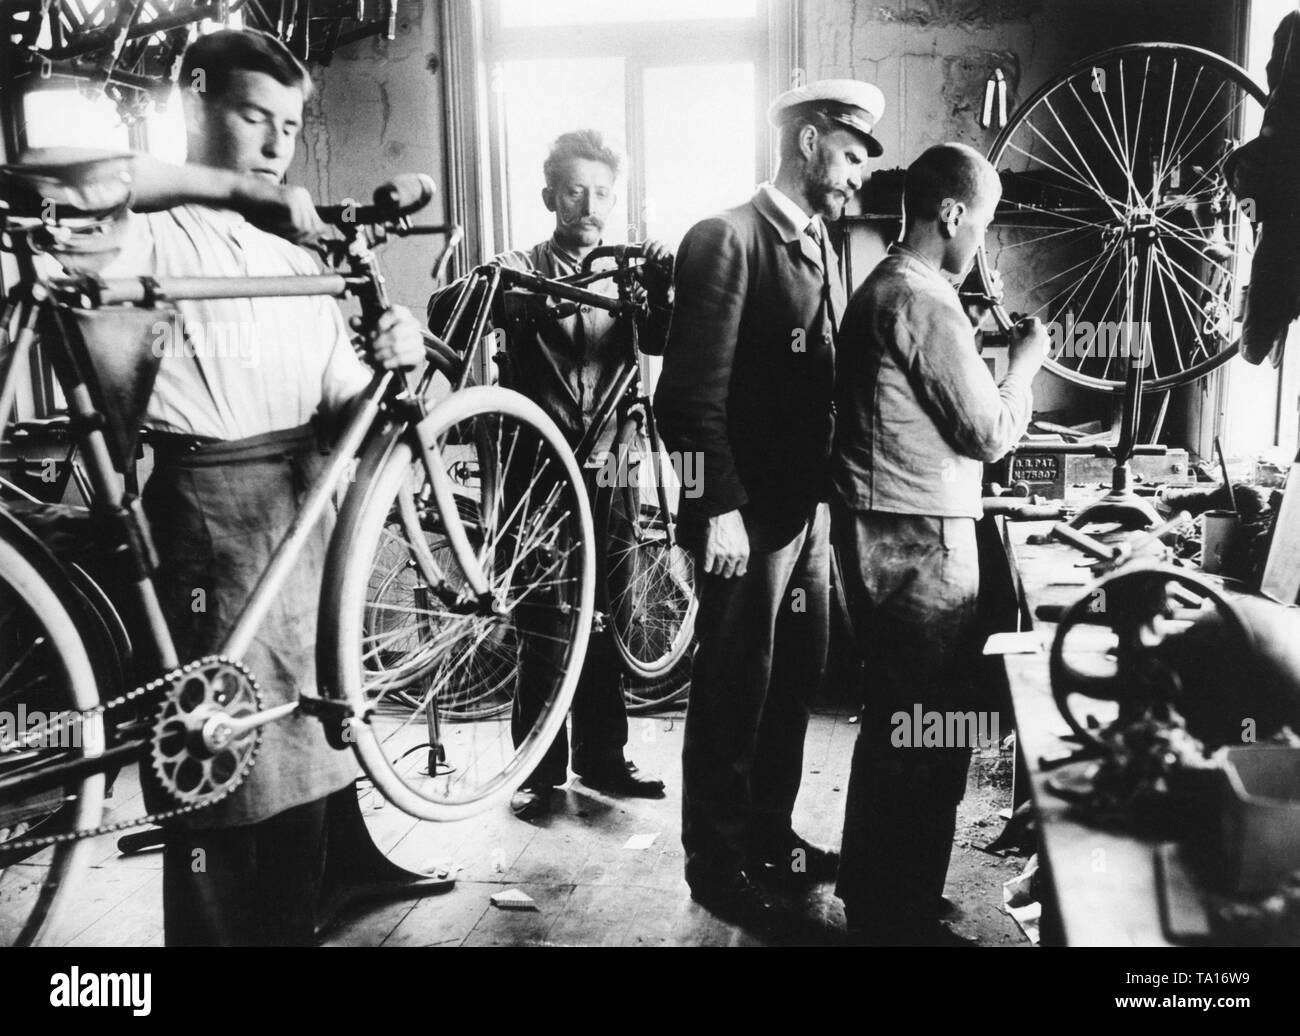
[218, 510]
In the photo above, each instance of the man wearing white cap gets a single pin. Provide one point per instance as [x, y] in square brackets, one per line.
[747, 384]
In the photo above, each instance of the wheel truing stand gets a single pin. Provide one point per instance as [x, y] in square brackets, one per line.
[1121, 505]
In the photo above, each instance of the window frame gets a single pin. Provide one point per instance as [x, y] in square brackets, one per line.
[762, 40]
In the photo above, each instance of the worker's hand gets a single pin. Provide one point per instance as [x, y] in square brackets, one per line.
[726, 545]
[657, 273]
[1029, 345]
[288, 212]
[399, 343]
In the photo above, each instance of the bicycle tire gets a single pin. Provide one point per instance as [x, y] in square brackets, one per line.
[641, 697]
[36, 618]
[1199, 266]
[647, 587]
[535, 567]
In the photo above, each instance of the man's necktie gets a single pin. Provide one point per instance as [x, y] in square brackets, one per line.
[833, 293]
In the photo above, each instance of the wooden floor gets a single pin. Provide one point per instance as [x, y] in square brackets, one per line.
[601, 870]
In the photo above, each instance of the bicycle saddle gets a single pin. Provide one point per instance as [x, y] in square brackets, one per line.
[67, 185]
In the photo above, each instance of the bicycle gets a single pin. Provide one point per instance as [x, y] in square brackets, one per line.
[646, 578]
[196, 723]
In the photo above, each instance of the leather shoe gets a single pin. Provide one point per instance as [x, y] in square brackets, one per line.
[529, 803]
[797, 861]
[738, 901]
[623, 779]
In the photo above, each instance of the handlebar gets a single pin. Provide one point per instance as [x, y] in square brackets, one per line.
[545, 286]
[392, 201]
[622, 253]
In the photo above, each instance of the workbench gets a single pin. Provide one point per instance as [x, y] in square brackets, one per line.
[1103, 882]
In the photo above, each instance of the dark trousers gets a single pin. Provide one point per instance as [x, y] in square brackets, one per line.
[598, 712]
[911, 583]
[255, 885]
[761, 656]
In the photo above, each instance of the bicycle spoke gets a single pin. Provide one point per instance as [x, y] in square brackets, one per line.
[1097, 188]
[1119, 163]
[1099, 263]
[1171, 152]
[1093, 192]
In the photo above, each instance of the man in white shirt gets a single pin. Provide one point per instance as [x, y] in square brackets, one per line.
[235, 416]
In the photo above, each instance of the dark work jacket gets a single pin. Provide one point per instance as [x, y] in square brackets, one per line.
[749, 370]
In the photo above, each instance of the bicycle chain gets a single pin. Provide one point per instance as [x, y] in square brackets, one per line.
[173, 677]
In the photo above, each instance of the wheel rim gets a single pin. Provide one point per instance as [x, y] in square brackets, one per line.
[1124, 147]
[662, 692]
[649, 584]
[531, 529]
[45, 670]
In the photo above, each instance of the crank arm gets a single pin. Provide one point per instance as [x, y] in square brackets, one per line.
[220, 729]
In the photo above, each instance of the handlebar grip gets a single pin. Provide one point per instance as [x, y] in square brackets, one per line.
[401, 196]
[404, 194]
[620, 252]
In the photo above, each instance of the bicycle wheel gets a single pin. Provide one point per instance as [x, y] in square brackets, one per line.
[1117, 159]
[647, 583]
[663, 692]
[396, 656]
[46, 671]
[529, 525]
[397, 659]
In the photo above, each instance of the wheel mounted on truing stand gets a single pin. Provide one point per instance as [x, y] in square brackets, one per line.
[1125, 145]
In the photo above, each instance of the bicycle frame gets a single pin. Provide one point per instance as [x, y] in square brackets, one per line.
[491, 279]
[403, 403]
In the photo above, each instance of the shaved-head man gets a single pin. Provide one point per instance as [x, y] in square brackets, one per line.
[917, 415]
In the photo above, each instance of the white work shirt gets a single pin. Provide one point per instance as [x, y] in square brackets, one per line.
[234, 368]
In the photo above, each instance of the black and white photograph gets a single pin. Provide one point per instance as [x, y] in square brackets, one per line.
[772, 474]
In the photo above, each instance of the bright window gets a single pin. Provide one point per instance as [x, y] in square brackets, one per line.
[515, 13]
[691, 111]
[544, 99]
[64, 116]
[677, 84]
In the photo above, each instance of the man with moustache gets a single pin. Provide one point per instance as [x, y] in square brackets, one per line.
[917, 415]
[747, 384]
[568, 365]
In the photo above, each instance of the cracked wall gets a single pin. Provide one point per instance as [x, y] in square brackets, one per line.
[932, 57]
[377, 111]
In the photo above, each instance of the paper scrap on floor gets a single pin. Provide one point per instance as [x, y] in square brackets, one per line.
[1019, 900]
[513, 899]
[1026, 642]
[641, 841]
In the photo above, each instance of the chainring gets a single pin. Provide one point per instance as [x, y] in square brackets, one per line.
[191, 759]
